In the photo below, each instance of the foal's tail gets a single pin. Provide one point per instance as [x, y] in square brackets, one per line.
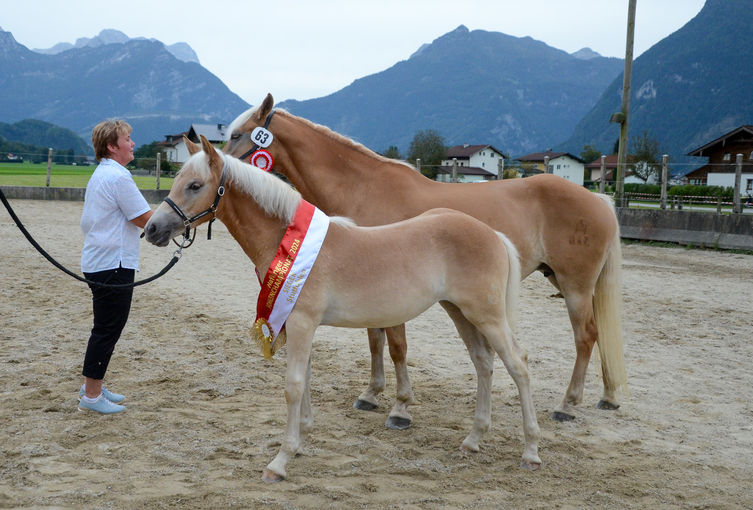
[512, 290]
[607, 302]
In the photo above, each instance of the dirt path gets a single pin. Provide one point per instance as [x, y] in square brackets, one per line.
[206, 411]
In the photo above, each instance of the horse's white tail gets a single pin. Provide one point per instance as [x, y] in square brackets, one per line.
[512, 292]
[607, 303]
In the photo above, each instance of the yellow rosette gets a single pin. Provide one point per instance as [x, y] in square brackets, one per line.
[263, 335]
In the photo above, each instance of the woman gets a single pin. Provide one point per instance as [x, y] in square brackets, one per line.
[114, 212]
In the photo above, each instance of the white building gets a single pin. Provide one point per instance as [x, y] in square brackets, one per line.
[475, 163]
[563, 164]
[175, 148]
[728, 180]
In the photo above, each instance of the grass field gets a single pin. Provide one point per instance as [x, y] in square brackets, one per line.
[63, 176]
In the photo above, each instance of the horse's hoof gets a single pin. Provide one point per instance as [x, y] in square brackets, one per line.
[364, 405]
[607, 406]
[560, 416]
[397, 423]
[270, 476]
[530, 466]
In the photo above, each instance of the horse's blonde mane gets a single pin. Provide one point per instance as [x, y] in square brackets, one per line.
[337, 137]
[273, 195]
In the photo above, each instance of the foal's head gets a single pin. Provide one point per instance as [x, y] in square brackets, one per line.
[193, 191]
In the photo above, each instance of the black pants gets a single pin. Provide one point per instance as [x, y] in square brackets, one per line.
[111, 308]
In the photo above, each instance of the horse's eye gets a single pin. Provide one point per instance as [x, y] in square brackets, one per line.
[235, 136]
[194, 186]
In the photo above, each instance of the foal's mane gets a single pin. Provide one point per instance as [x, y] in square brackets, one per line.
[273, 195]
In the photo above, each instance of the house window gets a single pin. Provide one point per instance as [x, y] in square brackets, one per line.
[559, 166]
[727, 157]
[751, 155]
[749, 185]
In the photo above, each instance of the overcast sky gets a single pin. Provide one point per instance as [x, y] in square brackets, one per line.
[299, 49]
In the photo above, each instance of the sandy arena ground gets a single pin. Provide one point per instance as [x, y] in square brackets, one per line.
[206, 411]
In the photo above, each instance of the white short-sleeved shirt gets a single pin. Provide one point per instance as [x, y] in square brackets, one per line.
[112, 199]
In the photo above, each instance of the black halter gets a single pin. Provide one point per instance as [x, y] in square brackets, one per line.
[256, 146]
[187, 222]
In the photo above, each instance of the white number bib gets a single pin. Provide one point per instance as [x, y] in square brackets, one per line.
[261, 137]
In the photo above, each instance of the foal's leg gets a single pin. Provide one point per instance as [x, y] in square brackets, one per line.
[299, 353]
[307, 415]
[502, 340]
[482, 357]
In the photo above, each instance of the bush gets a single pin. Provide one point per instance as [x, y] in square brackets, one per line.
[649, 189]
[701, 191]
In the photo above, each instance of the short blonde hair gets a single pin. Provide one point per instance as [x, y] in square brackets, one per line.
[107, 133]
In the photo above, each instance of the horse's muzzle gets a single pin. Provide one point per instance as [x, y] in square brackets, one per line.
[158, 233]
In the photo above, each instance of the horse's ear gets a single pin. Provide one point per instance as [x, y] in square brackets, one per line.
[192, 147]
[210, 151]
[265, 108]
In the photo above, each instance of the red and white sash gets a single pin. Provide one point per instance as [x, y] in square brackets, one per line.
[286, 275]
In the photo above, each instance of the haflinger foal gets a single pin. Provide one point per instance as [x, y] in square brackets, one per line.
[329, 271]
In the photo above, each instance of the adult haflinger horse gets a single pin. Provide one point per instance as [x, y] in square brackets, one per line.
[352, 279]
[559, 228]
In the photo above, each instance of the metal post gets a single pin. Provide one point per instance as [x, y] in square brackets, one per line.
[664, 179]
[500, 169]
[418, 164]
[454, 169]
[159, 167]
[603, 174]
[546, 165]
[736, 203]
[49, 165]
[622, 118]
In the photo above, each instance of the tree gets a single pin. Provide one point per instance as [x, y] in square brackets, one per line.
[589, 154]
[645, 156]
[392, 152]
[429, 147]
[146, 156]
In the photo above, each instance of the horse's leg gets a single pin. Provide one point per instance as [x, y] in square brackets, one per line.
[299, 352]
[580, 309]
[367, 401]
[515, 359]
[482, 357]
[399, 417]
[307, 415]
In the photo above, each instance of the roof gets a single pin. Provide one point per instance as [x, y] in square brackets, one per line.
[742, 129]
[539, 156]
[173, 140]
[466, 170]
[213, 132]
[609, 162]
[465, 151]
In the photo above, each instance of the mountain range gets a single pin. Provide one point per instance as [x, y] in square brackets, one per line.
[517, 94]
[138, 80]
[688, 89]
[181, 51]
